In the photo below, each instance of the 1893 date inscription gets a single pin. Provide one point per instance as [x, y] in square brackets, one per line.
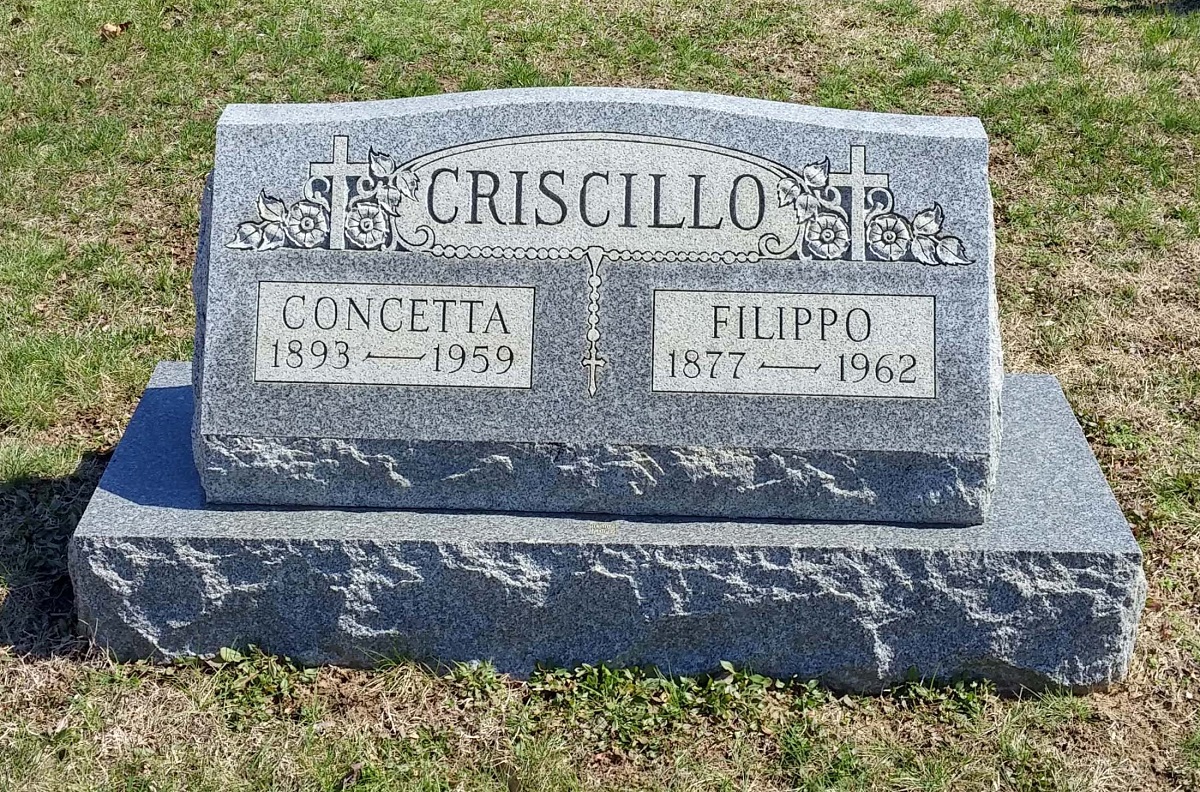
[794, 344]
[390, 334]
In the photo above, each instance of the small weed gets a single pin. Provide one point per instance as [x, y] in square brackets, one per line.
[1122, 435]
[255, 686]
[480, 680]
[474, 685]
[1114, 433]
[626, 709]
[961, 698]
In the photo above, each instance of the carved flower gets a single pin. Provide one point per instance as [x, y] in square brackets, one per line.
[827, 236]
[307, 224]
[889, 236]
[366, 225]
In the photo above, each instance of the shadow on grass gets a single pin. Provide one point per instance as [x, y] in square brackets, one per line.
[1140, 8]
[37, 610]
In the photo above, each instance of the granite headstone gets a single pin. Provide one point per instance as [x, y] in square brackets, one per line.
[639, 377]
[617, 302]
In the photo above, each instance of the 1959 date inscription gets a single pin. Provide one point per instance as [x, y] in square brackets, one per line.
[393, 334]
[794, 344]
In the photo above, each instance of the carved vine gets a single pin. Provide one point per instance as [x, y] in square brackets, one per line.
[370, 212]
[825, 228]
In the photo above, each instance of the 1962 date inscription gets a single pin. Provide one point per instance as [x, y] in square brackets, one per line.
[794, 344]
[395, 334]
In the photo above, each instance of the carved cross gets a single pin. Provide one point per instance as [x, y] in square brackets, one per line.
[337, 172]
[860, 183]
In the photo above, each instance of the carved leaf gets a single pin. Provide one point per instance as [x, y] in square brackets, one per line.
[925, 249]
[816, 174]
[787, 191]
[247, 237]
[270, 208]
[390, 198]
[272, 236]
[928, 222]
[382, 165]
[950, 251]
[807, 208]
[406, 182]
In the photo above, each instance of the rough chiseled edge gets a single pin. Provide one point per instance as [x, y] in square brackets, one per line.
[856, 618]
[761, 483]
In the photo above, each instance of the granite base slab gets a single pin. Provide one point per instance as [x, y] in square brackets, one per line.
[1047, 593]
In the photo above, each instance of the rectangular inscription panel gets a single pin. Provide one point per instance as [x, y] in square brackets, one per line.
[877, 345]
[465, 336]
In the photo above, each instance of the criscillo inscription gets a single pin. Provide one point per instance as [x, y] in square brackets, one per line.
[593, 196]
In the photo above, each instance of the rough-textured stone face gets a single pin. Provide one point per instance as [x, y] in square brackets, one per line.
[548, 477]
[626, 302]
[1047, 592]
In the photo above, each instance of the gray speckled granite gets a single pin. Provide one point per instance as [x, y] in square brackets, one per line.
[1047, 592]
[646, 480]
[631, 450]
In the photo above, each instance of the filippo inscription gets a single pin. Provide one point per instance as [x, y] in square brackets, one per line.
[794, 344]
[395, 334]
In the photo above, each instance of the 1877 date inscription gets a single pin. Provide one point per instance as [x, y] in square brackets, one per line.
[395, 334]
[794, 344]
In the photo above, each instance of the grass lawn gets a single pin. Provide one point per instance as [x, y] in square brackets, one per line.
[1093, 109]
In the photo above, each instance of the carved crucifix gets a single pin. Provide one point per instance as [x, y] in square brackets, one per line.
[336, 172]
[860, 183]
